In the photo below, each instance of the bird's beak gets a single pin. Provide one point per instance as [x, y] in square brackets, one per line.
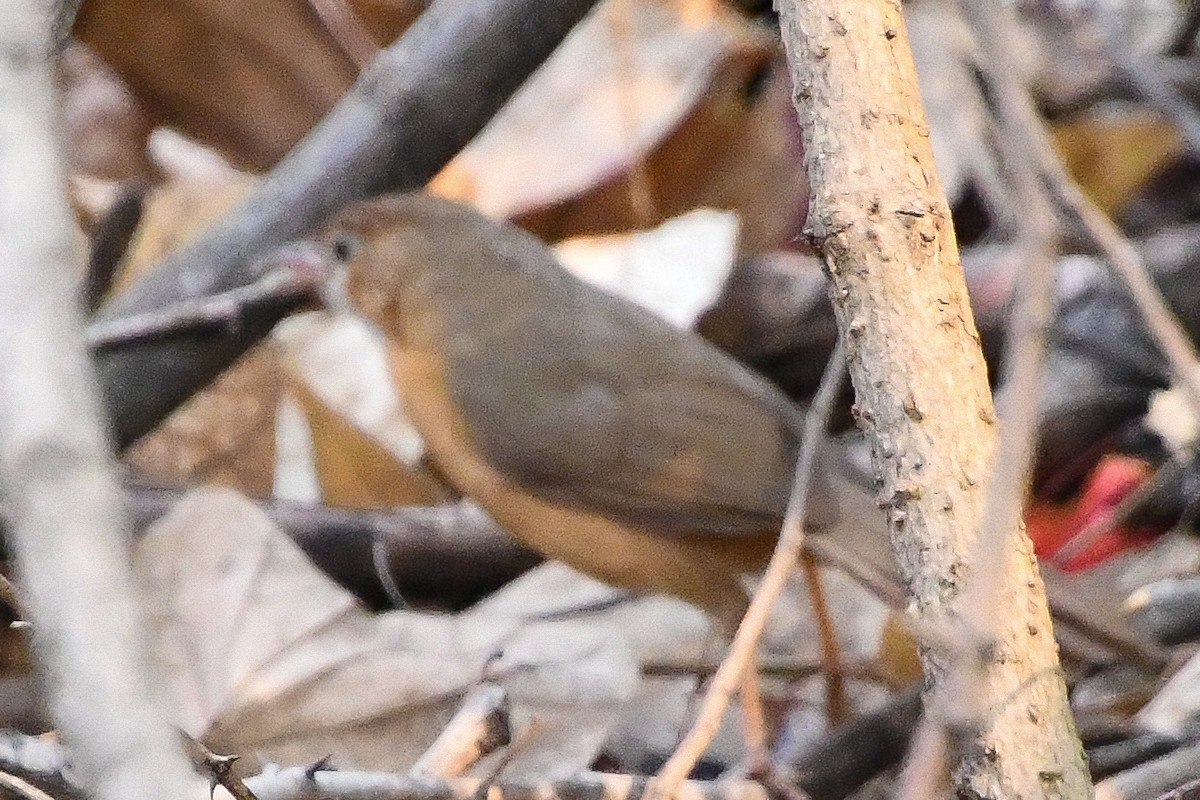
[307, 267]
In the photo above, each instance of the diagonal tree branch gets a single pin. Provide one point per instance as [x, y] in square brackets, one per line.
[413, 108]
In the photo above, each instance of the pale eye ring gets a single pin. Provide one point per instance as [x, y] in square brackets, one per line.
[345, 246]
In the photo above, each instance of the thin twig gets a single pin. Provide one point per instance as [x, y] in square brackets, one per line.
[518, 745]
[1025, 361]
[190, 316]
[703, 669]
[885, 586]
[779, 570]
[1120, 253]
[479, 727]
[837, 702]
[110, 240]
[754, 721]
[383, 571]
[22, 788]
[218, 768]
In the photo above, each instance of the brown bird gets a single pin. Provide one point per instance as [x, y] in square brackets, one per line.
[587, 427]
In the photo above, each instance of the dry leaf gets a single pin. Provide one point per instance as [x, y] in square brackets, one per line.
[1113, 154]
[248, 77]
[640, 116]
[174, 213]
[1174, 709]
[268, 657]
[663, 631]
[224, 435]
[678, 270]
[366, 451]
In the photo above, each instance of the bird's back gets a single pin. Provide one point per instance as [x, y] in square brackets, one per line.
[584, 399]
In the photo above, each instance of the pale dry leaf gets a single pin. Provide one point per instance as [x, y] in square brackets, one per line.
[661, 629]
[678, 270]
[296, 478]
[343, 361]
[657, 628]
[175, 212]
[366, 452]
[613, 88]
[1170, 416]
[180, 158]
[268, 657]
[665, 631]
[1175, 709]
[224, 435]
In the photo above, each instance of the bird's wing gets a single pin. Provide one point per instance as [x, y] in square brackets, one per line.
[593, 403]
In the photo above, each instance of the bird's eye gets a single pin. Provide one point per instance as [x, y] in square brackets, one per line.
[345, 246]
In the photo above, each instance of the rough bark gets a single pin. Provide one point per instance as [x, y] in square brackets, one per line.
[67, 528]
[878, 216]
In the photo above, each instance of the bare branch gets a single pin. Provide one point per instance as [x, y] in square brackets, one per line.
[453, 552]
[880, 220]
[1025, 360]
[479, 727]
[294, 784]
[67, 529]
[281, 288]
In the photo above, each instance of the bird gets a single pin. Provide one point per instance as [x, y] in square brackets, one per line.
[587, 427]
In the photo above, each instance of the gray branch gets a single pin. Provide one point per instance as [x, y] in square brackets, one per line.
[415, 106]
